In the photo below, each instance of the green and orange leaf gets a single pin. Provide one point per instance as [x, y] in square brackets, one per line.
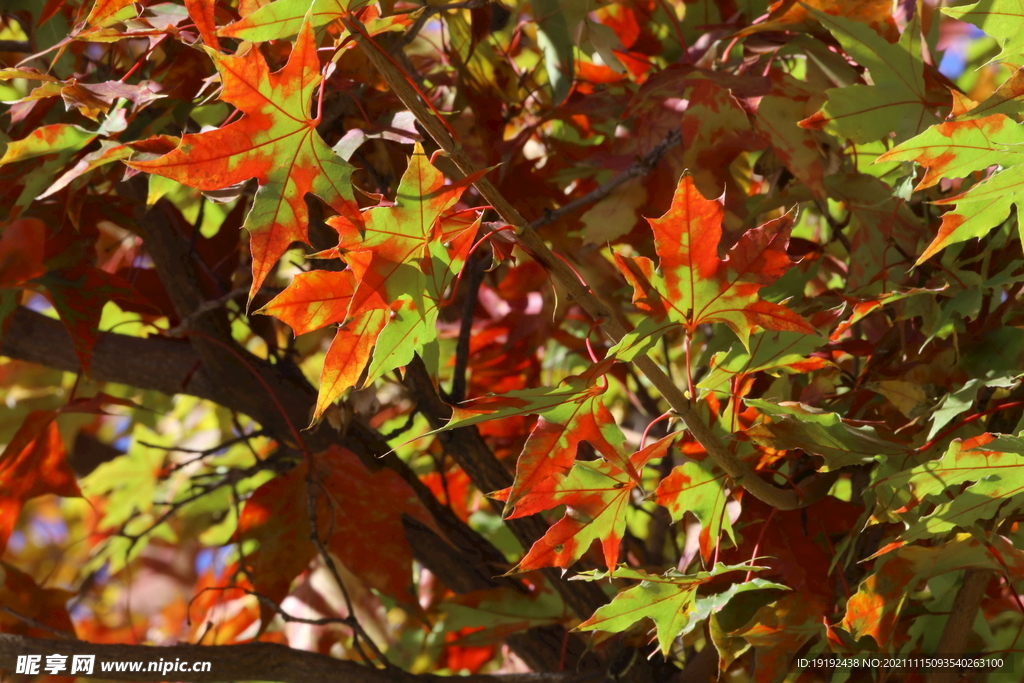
[274, 141]
[700, 488]
[692, 285]
[596, 495]
[669, 600]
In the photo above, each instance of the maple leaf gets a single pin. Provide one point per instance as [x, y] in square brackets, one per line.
[874, 609]
[56, 144]
[104, 12]
[503, 611]
[35, 610]
[274, 141]
[283, 18]
[790, 544]
[202, 14]
[571, 414]
[1000, 19]
[897, 101]
[34, 463]
[535, 401]
[715, 130]
[550, 450]
[794, 426]
[777, 353]
[796, 15]
[693, 285]
[596, 495]
[388, 299]
[798, 148]
[366, 535]
[955, 149]
[698, 487]
[669, 600]
[993, 466]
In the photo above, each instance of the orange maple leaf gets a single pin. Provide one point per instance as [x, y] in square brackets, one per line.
[275, 141]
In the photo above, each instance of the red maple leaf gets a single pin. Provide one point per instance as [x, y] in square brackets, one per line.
[692, 285]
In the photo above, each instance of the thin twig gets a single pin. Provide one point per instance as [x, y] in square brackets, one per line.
[230, 479]
[292, 618]
[35, 623]
[430, 11]
[206, 307]
[640, 167]
[205, 451]
[358, 632]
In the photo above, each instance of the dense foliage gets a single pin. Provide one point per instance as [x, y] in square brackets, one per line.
[639, 340]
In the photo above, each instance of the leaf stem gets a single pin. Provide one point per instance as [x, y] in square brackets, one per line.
[757, 546]
[689, 367]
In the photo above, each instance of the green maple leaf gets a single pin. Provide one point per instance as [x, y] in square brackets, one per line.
[669, 600]
[776, 353]
[955, 149]
[795, 426]
[698, 487]
[896, 102]
[1001, 19]
[283, 18]
[997, 486]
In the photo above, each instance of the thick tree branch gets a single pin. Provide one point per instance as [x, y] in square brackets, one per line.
[248, 662]
[474, 456]
[237, 378]
[960, 624]
[784, 499]
[169, 366]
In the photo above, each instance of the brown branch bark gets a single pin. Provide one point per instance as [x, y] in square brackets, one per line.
[960, 624]
[247, 662]
[475, 457]
[784, 499]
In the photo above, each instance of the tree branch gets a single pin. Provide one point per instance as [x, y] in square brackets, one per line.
[477, 267]
[475, 457]
[641, 166]
[783, 499]
[247, 662]
[960, 624]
